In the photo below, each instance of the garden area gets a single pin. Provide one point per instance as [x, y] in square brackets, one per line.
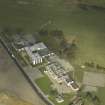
[46, 86]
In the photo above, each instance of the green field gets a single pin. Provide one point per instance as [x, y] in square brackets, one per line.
[94, 2]
[101, 94]
[87, 25]
[45, 85]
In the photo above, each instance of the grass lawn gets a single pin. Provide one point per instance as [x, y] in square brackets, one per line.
[67, 98]
[101, 95]
[87, 26]
[78, 75]
[45, 85]
[95, 2]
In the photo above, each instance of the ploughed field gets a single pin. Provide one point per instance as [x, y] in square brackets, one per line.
[12, 80]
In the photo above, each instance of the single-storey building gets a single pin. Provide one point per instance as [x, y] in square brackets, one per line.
[57, 72]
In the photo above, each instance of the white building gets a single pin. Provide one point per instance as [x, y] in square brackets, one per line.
[58, 73]
[35, 58]
[37, 52]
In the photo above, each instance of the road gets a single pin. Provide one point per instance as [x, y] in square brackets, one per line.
[12, 79]
[29, 78]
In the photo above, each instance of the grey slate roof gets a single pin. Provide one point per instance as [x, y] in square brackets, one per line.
[44, 52]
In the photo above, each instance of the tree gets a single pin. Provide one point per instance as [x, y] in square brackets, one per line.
[7, 31]
[43, 32]
[54, 92]
[56, 32]
[96, 100]
[88, 94]
[19, 31]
